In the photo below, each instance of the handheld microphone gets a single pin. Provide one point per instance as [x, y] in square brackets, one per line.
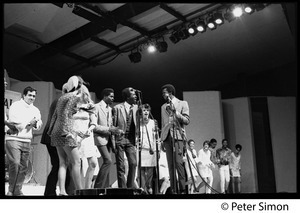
[168, 98]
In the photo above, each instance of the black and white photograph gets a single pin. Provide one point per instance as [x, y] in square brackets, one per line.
[151, 100]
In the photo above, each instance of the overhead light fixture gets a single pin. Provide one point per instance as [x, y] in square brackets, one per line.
[174, 38]
[218, 18]
[237, 11]
[151, 48]
[135, 57]
[249, 8]
[201, 27]
[229, 15]
[192, 28]
[211, 23]
[183, 34]
[162, 46]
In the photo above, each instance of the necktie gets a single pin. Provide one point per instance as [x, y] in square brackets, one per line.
[129, 119]
[130, 113]
[107, 114]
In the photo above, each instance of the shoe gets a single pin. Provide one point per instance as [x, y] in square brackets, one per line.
[62, 195]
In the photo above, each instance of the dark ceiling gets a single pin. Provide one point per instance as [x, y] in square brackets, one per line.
[52, 41]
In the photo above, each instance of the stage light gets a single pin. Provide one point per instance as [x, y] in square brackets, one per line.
[237, 11]
[248, 8]
[229, 15]
[192, 29]
[151, 48]
[201, 27]
[218, 18]
[174, 38]
[183, 34]
[162, 46]
[135, 57]
[211, 23]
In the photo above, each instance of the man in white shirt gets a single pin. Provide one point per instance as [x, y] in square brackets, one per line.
[26, 117]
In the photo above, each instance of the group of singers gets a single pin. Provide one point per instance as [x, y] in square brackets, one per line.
[127, 129]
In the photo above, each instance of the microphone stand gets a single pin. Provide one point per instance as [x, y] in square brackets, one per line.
[173, 143]
[157, 143]
[139, 145]
[190, 168]
[203, 180]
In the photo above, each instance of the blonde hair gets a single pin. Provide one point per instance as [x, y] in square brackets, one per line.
[85, 94]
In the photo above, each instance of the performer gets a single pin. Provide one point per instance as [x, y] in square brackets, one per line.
[50, 188]
[164, 177]
[206, 166]
[26, 117]
[223, 157]
[191, 166]
[84, 122]
[148, 149]
[235, 169]
[125, 119]
[174, 116]
[63, 135]
[103, 136]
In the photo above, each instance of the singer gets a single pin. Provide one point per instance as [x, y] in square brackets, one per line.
[125, 119]
[174, 116]
[104, 134]
[148, 148]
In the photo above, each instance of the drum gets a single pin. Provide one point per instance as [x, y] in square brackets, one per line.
[29, 172]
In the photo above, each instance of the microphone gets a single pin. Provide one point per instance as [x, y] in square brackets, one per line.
[168, 98]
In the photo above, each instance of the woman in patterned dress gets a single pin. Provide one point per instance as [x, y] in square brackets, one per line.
[63, 132]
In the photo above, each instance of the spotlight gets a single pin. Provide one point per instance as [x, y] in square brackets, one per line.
[174, 37]
[201, 27]
[192, 29]
[218, 17]
[229, 15]
[162, 46]
[248, 8]
[237, 11]
[211, 24]
[135, 57]
[183, 34]
[151, 48]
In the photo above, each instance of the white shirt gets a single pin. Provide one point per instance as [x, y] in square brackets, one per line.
[22, 113]
[235, 164]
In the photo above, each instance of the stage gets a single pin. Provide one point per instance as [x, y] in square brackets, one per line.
[30, 189]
